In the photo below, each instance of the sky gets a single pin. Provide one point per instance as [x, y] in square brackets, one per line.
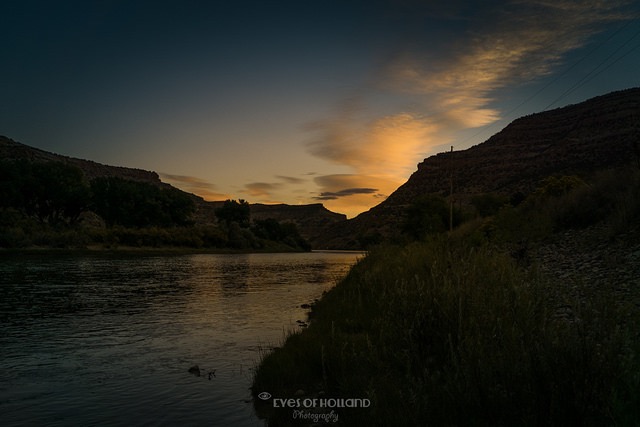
[307, 101]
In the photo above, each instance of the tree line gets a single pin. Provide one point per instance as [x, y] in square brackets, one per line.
[42, 201]
[57, 193]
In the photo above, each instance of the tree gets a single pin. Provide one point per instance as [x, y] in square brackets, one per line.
[139, 204]
[52, 192]
[488, 204]
[234, 211]
[11, 187]
[287, 233]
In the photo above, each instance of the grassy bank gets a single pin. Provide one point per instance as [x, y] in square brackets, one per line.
[443, 334]
[28, 234]
[454, 331]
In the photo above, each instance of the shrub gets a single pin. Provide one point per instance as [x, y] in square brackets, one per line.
[488, 204]
[428, 215]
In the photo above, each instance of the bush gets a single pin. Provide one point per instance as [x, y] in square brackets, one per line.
[138, 204]
[428, 215]
[488, 204]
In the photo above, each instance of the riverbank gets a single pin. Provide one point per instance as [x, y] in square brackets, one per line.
[522, 318]
[442, 334]
[144, 250]
[31, 235]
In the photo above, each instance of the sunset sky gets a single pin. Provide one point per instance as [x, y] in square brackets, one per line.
[308, 101]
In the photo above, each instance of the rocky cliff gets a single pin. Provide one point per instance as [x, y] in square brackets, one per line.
[311, 220]
[603, 132]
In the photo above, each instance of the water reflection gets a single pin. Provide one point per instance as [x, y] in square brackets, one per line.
[107, 339]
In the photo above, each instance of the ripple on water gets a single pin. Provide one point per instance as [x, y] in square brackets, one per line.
[108, 340]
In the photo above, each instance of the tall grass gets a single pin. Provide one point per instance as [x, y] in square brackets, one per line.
[443, 333]
[453, 331]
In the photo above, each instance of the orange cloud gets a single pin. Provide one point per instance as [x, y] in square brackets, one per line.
[513, 43]
[291, 179]
[261, 189]
[194, 185]
[351, 193]
[387, 145]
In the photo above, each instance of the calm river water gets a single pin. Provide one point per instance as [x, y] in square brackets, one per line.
[105, 339]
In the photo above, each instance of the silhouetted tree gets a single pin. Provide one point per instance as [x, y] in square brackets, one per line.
[488, 204]
[52, 192]
[234, 211]
[138, 204]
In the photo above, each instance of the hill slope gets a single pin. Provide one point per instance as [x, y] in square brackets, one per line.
[600, 133]
[311, 220]
[12, 150]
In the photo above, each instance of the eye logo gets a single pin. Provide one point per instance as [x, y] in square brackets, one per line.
[264, 395]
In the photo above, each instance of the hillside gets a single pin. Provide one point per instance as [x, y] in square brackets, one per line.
[580, 139]
[10, 149]
[525, 317]
[600, 133]
[311, 220]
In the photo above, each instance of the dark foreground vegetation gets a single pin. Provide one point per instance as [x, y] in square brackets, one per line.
[51, 205]
[463, 328]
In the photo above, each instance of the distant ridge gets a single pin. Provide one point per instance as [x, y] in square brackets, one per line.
[580, 139]
[10, 149]
[311, 220]
[600, 133]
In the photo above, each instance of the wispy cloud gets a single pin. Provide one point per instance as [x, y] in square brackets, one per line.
[510, 43]
[333, 195]
[194, 185]
[261, 189]
[523, 40]
[271, 192]
[353, 193]
[291, 179]
[381, 145]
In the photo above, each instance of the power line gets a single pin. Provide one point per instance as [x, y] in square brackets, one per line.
[614, 62]
[590, 75]
[574, 65]
[561, 75]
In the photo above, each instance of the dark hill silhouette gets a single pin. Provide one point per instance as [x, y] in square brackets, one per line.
[10, 149]
[600, 133]
[311, 220]
[580, 139]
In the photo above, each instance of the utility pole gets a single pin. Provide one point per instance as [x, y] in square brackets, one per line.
[451, 191]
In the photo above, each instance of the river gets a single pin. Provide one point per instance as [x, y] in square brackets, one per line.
[108, 339]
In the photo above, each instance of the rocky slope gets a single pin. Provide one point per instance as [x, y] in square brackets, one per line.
[600, 133]
[593, 260]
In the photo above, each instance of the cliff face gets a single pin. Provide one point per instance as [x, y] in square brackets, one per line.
[311, 220]
[600, 133]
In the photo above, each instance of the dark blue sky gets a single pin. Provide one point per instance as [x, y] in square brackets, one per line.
[298, 102]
